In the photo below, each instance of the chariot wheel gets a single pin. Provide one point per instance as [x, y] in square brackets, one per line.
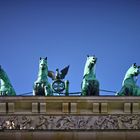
[58, 86]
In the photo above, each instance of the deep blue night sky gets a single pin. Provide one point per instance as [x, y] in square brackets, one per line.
[66, 31]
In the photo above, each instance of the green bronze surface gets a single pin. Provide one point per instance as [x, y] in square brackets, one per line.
[129, 86]
[6, 87]
[90, 85]
[59, 85]
[42, 85]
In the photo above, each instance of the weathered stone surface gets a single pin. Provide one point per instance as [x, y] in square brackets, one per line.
[65, 107]
[96, 107]
[127, 107]
[2, 107]
[70, 122]
[69, 135]
[99, 118]
[77, 105]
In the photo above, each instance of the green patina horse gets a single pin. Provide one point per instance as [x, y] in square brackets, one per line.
[41, 86]
[129, 87]
[90, 85]
[5, 85]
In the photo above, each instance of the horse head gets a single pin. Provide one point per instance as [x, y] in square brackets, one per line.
[91, 61]
[43, 63]
[134, 70]
[131, 73]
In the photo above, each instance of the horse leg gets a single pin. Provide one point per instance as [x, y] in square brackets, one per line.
[126, 91]
[84, 92]
[4, 93]
[96, 87]
[33, 92]
[1, 93]
[38, 89]
[35, 87]
[84, 88]
[7, 92]
[137, 91]
[48, 91]
[122, 92]
[93, 88]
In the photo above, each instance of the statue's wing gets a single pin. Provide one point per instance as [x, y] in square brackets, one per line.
[51, 74]
[64, 72]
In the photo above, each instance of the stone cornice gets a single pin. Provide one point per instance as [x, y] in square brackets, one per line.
[69, 105]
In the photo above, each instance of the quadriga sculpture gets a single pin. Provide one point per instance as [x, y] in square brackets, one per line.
[129, 87]
[41, 86]
[90, 85]
[6, 87]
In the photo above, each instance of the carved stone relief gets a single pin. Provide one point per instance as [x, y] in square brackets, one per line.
[69, 122]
